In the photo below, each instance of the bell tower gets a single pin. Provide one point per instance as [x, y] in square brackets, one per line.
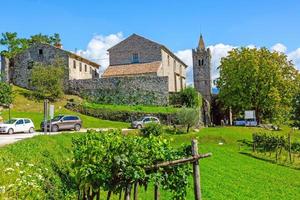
[202, 76]
[201, 69]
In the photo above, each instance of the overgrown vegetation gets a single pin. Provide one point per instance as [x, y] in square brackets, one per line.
[187, 97]
[47, 80]
[153, 129]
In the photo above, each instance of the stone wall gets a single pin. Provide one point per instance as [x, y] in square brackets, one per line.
[5, 74]
[142, 90]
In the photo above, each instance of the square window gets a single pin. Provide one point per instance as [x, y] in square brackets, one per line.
[135, 58]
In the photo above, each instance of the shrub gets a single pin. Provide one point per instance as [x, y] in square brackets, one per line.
[187, 97]
[47, 80]
[6, 96]
[152, 129]
[187, 117]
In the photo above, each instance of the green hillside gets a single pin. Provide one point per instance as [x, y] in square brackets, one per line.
[24, 106]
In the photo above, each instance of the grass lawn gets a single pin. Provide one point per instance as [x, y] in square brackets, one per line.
[138, 108]
[228, 174]
[24, 107]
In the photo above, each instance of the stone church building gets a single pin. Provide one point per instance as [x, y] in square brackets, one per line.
[138, 56]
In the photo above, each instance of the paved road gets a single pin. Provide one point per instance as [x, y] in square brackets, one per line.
[9, 139]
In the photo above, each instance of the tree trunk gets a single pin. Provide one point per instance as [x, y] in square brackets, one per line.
[135, 191]
[108, 195]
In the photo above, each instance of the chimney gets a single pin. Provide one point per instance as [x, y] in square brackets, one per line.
[58, 45]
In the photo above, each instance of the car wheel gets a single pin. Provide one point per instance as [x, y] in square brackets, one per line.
[77, 127]
[139, 126]
[10, 131]
[31, 130]
[54, 128]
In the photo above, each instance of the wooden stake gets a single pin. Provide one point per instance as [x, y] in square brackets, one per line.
[196, 171]
[290, 147]
[108, 195]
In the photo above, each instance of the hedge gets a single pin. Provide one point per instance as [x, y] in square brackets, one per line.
[125, 116]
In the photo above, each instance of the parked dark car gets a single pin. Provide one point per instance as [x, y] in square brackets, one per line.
[63, 122]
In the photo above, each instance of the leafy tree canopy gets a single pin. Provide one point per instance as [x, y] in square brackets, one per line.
[15, 45]
[47, 80]
[258, 79]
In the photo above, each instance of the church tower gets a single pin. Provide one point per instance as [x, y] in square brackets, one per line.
[202, 70]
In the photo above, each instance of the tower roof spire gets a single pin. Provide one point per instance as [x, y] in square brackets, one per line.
[201, 44]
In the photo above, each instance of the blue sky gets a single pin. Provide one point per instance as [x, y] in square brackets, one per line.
[176, 24]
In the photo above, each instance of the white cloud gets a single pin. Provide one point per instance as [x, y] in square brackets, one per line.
[97, 48]
[217, 52]
[279, 48]
[295, 57]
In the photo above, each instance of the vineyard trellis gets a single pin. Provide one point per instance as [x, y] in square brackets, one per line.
[194, 159]
[118, 164]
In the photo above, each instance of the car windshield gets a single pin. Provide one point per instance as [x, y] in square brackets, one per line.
[11, 121]
[57, 118]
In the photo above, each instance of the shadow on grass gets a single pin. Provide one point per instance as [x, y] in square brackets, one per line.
[269, 160]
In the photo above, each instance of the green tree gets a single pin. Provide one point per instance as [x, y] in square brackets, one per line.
[6, 94]
[40, 38]
[187, 117]
[187, 97]
[258, 79]
[47, 80]
[13, 44]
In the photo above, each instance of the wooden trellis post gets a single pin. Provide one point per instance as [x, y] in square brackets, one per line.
[196, 171]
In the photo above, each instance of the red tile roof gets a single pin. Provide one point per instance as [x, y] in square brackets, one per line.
[132, 69]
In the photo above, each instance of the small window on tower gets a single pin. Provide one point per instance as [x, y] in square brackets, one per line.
[40, 51]
[199, 62]
[202, 61]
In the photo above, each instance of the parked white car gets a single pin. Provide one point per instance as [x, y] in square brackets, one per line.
[17, 125]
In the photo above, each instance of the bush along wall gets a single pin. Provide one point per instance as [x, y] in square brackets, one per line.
[125, 116]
